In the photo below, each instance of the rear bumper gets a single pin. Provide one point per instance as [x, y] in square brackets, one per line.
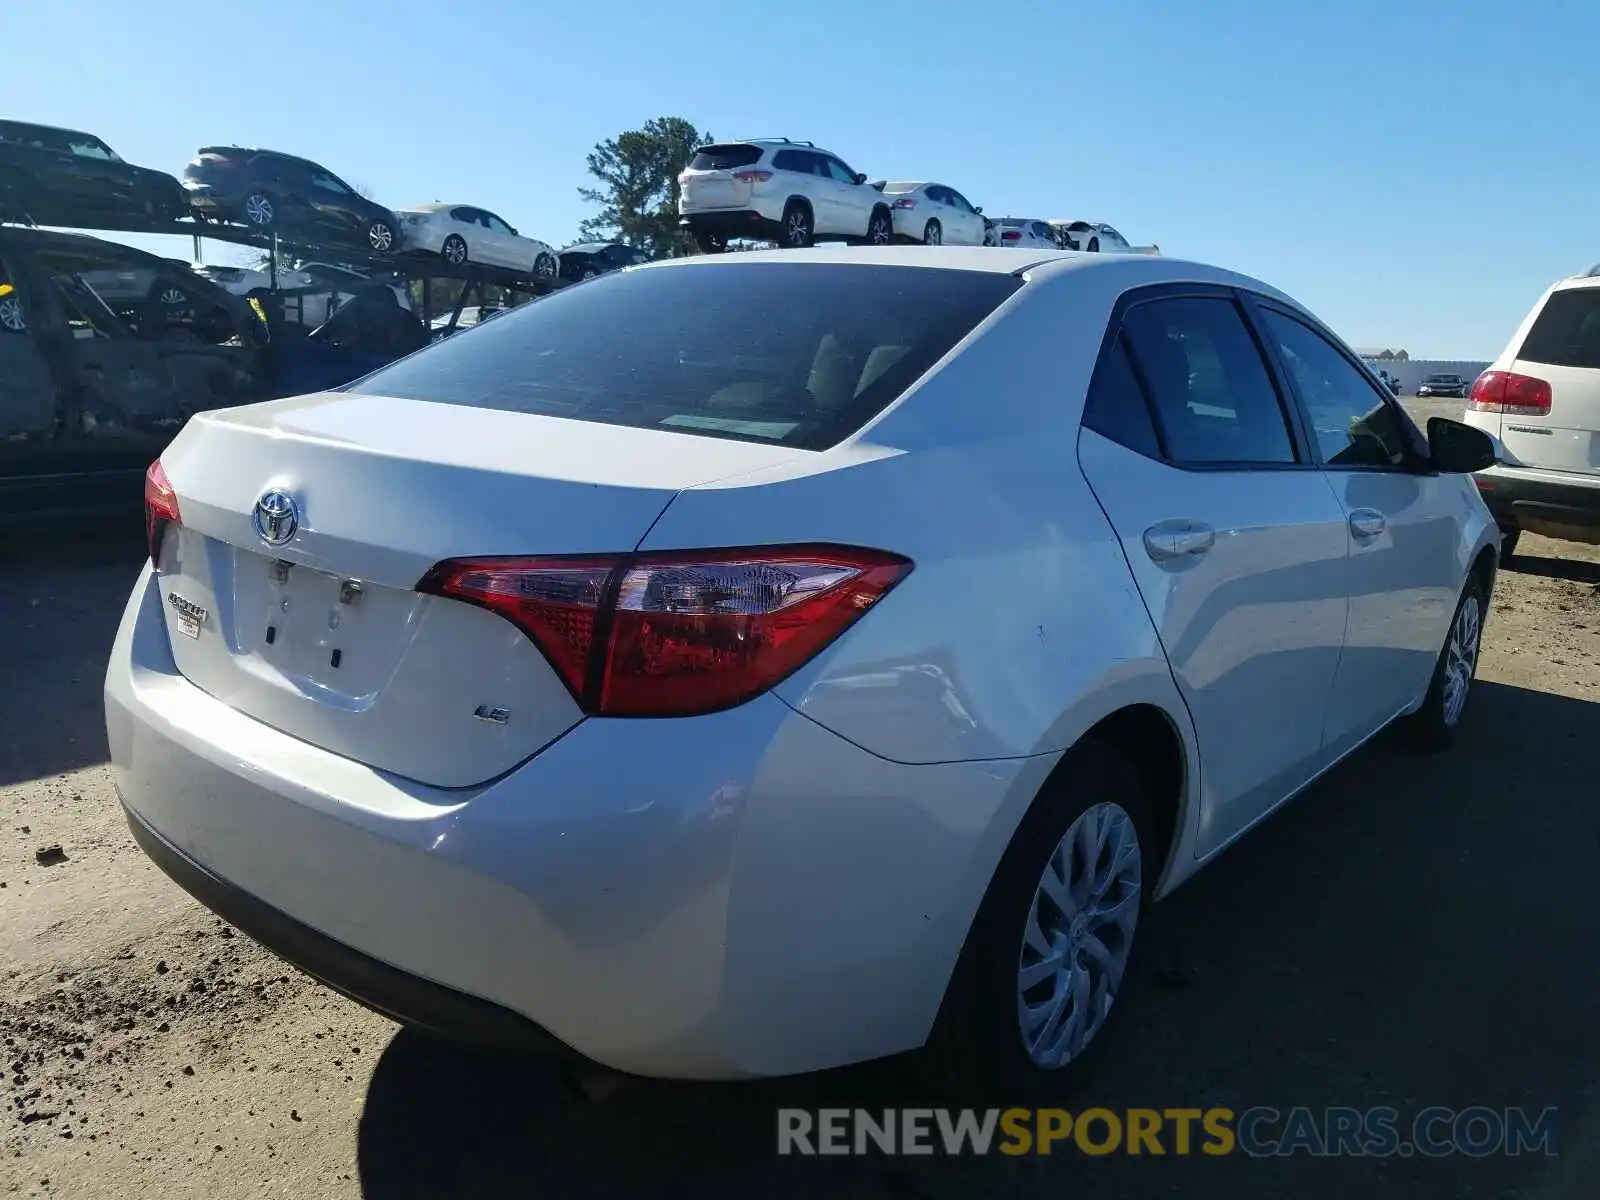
[1559, 504]
[1436, 391]
[734, 895]
[731, 223]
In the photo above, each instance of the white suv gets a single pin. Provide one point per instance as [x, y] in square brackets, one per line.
[1541, 398]
[789, 192]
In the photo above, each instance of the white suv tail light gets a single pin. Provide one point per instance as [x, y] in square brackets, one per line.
[676, 634]
[1509, 393]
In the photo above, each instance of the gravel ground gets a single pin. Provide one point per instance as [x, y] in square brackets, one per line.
[1413, 931]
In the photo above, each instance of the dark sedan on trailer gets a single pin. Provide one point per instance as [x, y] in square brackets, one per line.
[588, 259]
[65, 177]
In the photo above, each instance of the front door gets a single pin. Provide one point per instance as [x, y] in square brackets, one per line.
[32, 466]
[1403, 529]
[1234, 539]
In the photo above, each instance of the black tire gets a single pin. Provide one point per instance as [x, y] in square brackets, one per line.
[1435, 725]
[880, 228]
[1508, 542]
[13, 318]
[799, 227]
[381, 238]
[705, 240]
[1093, 246]
[588, 270]
[977, 1046]
[454, 250]
[932, 234]
[545, 268]
[261, 210]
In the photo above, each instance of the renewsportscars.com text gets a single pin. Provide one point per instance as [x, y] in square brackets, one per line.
[1259, 1132]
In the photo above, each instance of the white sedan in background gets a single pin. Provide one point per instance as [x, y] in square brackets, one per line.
[932, 213]
[1024, 233]
[1096, 237]
[462, 234]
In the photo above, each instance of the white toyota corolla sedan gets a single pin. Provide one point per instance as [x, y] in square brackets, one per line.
[750, 664]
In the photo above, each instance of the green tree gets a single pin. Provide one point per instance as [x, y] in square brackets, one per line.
[638, 192]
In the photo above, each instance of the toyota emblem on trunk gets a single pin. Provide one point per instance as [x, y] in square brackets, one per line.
[277, 517]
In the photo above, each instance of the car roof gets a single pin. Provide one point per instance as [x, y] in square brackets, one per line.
[38, 128]
[436, 206]
[1136, 269]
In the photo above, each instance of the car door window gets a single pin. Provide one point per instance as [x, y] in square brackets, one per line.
[497, 225]
[1352, 423]
[327, 183]
[838, 171]
[1213, 397]
[960, 201]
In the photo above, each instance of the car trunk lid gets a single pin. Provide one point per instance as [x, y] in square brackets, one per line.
[325, 637]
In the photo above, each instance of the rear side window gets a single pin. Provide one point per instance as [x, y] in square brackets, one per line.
[1567, 331]
[724, 158]
[1208, 383]
[1116, 408]
[793, 354]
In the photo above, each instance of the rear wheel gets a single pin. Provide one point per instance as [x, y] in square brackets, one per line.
[380, 236]
[1045, 961]
[798, 228]
[708, 242]
[880, 228]
[1508, 542]
[932, 234]
[454, 250]
[544, 267]
[260, 211]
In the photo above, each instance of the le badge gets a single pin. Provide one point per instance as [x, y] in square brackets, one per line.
[190, 615]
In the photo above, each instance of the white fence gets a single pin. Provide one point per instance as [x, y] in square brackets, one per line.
[1410, 373]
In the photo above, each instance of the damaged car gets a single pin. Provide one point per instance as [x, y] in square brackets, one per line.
[105, 352]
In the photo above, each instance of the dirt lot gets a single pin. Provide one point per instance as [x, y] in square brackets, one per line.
[1414, 931]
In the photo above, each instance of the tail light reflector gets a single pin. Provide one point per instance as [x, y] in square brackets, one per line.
[160, 508]
[904, 202]
[752, 176]
[1509, 393]
[658, 635]
[1010, 235]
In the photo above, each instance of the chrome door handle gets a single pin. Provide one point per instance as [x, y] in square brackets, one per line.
[1169, 541]
[1367, 523]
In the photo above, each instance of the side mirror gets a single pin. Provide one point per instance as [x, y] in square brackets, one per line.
[860, 178]
[978, 208]
[1459, 449]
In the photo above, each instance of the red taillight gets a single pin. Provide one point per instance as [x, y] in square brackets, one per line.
[752, 176]
[1510, 393]
[1010, 235]
[676, 634]
[160, 508]
[904, 202]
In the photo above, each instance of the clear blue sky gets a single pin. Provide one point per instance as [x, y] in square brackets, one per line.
[1416, 172]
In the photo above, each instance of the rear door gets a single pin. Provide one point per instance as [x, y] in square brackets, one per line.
[971, 229]
[1236, 543]
[1562, 347]
[851, 203]
[1404, 526]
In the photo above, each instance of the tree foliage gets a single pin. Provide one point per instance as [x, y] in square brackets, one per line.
[638, 194]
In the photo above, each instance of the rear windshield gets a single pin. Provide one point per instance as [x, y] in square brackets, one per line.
[724, 158]
[1567, 331]
[792, 354]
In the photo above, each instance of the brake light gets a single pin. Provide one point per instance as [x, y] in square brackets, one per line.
[160, 508]
[752, 176]
[658, 635]
[1510, 393]
[1010, 235]
[904, 202]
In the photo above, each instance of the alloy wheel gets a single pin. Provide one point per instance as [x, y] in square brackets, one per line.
[879, 230]
[455, 250]
[380, 237]
[797, 229]
[544, 267]
[258, 209]
[1078, 935]
[11, 317]
[933, 235]
[1461, 658]
[172, 296]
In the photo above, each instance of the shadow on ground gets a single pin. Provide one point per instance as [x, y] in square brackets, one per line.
[1414, 931]
[1574, 570]
[60, 598]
